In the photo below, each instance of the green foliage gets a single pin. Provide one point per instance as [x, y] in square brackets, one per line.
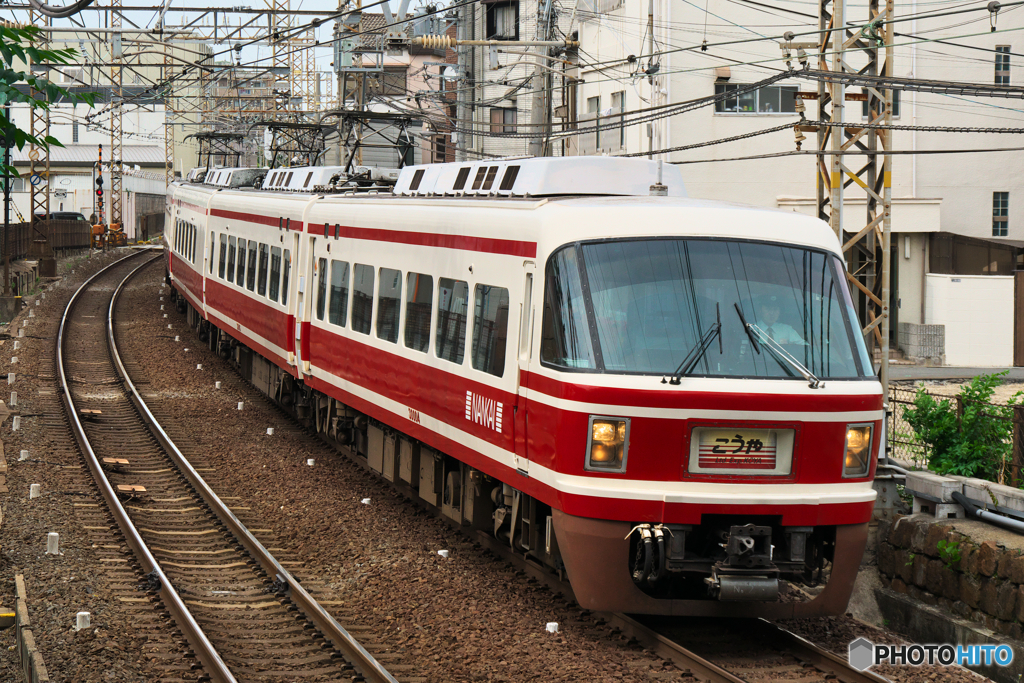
[910, 559]
[977, 443]
[949, 553]
[17, 46]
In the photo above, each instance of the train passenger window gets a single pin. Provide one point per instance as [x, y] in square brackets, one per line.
[275, 272]
[321, 288]
[250, 268]
[489, 180]
[479, 177]
[389, 303]
[223, 255]
[362, 298]
[212, 243]
[419, 297]
[460, 180]
[261, 287]
[490, 329]
[192, 243]
[337, 311]
[240, 280]
[287, 272]
[450, 340]
[231, 260]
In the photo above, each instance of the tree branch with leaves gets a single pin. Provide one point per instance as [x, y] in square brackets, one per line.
[17, 47]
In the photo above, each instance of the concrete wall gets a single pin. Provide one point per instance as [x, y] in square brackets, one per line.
[912, 267]
[977, 311]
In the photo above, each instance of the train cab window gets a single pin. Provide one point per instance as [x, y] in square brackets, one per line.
[231, 260]
[490, 329]
[250, 268]
[489, 180]
[479, 177]
[261, 286]
[450, 340]
[460, 180]
[419, 298]
[275, 272]
[284, 278]
[222, 263]
[337, 311]
[321, 288]
[565, 335]
[240, 280]
[362, 298]
[389, 304]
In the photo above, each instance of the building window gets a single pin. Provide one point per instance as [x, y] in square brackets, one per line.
[503, 120]
[440, 148]
[74, 132]
[1002, 65]
[1000, 213]
[773, 99]
[619, 107]
[594, 107]
[895, 104]
[503, 20]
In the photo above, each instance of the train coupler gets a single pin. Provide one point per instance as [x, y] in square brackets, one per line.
[747, 572]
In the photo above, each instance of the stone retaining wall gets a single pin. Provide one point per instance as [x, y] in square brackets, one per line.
[985, 585]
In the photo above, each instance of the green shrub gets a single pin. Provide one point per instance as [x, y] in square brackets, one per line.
[977, 443]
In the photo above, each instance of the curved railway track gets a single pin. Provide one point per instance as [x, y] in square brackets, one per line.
[243, 615]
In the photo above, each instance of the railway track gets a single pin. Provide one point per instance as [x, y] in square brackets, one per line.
[243, 615]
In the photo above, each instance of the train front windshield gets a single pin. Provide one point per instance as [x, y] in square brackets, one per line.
[642, 306]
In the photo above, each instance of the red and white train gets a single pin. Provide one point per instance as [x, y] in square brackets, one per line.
[667, 398]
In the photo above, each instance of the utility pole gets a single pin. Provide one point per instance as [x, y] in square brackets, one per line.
[868, 250]
[116, 118]
[540, 110]
[650, 73]
[7, 212]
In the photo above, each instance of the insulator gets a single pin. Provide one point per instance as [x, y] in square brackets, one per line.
[438, 42]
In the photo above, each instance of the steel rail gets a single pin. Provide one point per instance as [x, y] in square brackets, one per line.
[822, 659]
[365, 663]
[212, 663]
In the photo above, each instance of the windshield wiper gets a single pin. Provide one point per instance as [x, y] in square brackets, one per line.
[698, 351]
[781, 353]
[746, 328]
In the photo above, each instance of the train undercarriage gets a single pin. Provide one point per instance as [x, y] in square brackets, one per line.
[725, 566]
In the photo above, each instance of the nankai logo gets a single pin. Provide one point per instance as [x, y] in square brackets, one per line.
[483, 411]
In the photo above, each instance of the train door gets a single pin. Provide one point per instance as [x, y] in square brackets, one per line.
[292, 258]
[307, 280]
[524, 350]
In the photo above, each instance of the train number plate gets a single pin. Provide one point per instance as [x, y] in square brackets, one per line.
[741, 451]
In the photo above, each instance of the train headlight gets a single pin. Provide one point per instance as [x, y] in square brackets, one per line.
[607, 444]
[858, 450]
